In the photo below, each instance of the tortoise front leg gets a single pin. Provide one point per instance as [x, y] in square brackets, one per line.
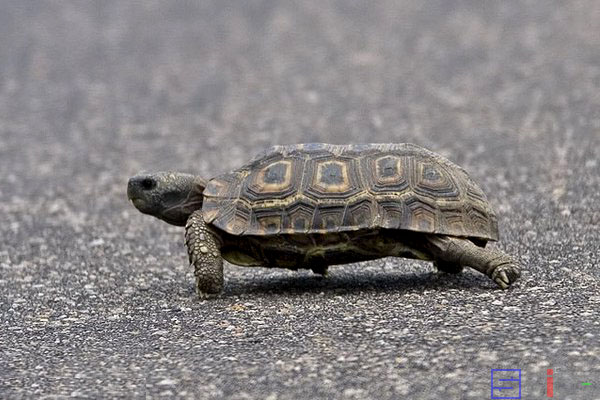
[204, 250]
[500, 267]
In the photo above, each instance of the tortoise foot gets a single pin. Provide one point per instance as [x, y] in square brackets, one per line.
[206, 295]
[504, 275]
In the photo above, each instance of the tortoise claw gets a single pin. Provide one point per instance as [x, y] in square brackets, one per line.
[502, 280]
[505, 274]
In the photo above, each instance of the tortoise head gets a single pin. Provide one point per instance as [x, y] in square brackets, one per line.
[170, 196]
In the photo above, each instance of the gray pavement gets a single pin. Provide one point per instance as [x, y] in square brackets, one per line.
[97, 300]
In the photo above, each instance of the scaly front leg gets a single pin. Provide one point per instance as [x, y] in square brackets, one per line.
[204, 250]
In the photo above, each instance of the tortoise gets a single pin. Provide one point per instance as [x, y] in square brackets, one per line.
[315, 205]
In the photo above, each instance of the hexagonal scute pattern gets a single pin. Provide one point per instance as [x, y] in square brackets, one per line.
[319, 188]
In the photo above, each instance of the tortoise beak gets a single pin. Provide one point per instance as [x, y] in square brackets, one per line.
[138, 203]
[132, 190]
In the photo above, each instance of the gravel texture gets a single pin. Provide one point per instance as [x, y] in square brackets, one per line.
[97, 300]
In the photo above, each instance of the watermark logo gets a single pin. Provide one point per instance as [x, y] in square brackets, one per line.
[550, 383]
[506, 384]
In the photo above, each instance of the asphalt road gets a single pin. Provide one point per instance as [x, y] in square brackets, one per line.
[97, 300]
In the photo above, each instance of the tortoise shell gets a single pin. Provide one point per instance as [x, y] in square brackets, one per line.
[322, 188]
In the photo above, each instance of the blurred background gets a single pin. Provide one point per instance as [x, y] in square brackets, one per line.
[93, 92]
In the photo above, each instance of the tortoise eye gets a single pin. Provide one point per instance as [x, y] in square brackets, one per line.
[148, 184]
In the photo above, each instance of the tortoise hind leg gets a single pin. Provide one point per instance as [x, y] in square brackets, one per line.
[204, 250]
[500, 267]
